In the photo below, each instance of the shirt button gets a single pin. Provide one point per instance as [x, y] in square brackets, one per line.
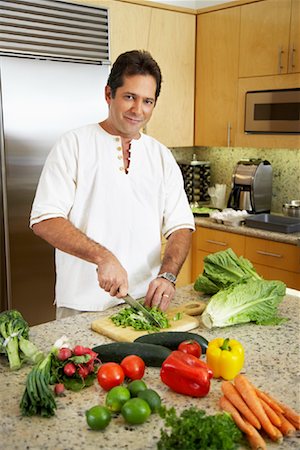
[121, 168]
[119, 148]
[120, 156]
[117, 139]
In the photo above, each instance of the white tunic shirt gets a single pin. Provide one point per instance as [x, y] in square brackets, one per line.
[84, 181]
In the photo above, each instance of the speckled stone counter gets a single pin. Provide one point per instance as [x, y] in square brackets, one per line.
[290, 238]
[272, 363]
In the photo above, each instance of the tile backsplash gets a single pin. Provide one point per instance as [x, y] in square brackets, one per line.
[285, 164]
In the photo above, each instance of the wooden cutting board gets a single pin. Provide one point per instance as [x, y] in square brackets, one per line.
[188, 321]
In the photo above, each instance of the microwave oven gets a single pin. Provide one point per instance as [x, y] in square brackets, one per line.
[273, 112]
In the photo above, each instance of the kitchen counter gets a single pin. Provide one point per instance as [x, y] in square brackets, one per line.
[271, 362]
[290, 238]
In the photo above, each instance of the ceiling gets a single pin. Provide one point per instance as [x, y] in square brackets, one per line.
[195, 4]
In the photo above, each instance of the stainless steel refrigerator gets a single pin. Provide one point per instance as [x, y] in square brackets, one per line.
[42, 96]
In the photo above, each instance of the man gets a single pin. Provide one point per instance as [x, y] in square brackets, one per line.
[106, 194]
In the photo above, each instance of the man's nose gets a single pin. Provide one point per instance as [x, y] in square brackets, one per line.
[137, 107]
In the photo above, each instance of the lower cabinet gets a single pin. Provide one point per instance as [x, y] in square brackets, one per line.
[272, 260]
[275, 260]
[207, 240]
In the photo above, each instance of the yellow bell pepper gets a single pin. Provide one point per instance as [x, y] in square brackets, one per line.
[225, 357]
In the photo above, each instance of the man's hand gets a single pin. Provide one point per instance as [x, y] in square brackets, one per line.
[112, 277]
[160, 293]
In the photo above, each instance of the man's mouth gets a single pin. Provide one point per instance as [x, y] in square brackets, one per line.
[133, 120]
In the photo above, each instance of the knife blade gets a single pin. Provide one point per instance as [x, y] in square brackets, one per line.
[139, 307]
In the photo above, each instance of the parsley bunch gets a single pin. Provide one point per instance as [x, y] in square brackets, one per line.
[194, 430]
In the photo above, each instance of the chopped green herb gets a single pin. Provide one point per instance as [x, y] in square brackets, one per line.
[194, 430]
[177, 316]
[130, 317]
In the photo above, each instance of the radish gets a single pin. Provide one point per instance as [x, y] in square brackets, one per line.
[80, 350]
[64, 353]
[69, 369]
[83, 371]
[59, 389]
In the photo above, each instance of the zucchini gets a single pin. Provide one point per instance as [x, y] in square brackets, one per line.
[171, 339]
[152, 355]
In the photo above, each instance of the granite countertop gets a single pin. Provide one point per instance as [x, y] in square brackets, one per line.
[272, 364]
[290, 238]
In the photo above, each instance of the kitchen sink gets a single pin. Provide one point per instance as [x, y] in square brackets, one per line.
[272, 222]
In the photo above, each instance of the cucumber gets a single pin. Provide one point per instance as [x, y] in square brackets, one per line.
[152, 355]
[171, 339]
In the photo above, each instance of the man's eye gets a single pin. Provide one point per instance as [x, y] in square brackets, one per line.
[128, 97]
[149, 102]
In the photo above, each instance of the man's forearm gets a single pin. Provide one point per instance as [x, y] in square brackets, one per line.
[176, 251]
[61, 234]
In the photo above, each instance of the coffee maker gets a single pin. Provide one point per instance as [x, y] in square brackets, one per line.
[251, 187]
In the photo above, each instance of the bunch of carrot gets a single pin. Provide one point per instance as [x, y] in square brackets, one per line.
[253, 410]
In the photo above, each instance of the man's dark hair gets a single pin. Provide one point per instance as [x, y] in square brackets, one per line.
[134, 62]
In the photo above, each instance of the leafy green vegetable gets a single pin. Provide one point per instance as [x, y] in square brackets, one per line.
[14, 340]
[222, 269]
[130, 317]
[194, 430]
[249, 301]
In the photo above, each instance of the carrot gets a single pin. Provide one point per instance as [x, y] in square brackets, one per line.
[273, 416]
[256, 441]
[288, 412]
[234, 397]
[286, 428]
[227, 406]
[249, 395]
[270, 401]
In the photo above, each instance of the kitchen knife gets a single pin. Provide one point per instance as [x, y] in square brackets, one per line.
[139, 307]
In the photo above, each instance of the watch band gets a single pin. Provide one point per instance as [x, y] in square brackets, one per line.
[168, 276]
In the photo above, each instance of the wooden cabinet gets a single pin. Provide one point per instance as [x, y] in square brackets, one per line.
[172, 44]
[270, 38]
[208, 240]
[216, 77]
[129, 28]
[272, 260]
[170, 37]
[275, 260]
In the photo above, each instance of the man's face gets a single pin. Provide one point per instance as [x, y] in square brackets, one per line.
[132, 106]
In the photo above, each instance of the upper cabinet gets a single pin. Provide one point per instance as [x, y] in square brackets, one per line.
[172, 44]
[217, 77]
[170, 37]
[270, 38]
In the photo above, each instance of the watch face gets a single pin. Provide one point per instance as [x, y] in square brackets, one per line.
[168, 276]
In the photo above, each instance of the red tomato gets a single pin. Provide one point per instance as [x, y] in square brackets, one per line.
[109, 375]
[133, 367]
[192, 347]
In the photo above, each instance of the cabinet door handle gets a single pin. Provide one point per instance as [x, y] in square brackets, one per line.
[280, 53]
[274, 255]
[292, 57]
[216, 242]
[228, 134]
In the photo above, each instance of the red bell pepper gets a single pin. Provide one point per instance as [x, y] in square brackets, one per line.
[186, 374]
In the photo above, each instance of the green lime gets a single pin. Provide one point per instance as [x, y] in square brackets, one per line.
[136, 411]
[136, 386]
[152, 398]
[98, 417]
[116, 398]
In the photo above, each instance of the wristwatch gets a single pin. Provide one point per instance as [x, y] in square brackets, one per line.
[168, 276]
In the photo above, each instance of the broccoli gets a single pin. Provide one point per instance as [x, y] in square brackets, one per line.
[14, 340]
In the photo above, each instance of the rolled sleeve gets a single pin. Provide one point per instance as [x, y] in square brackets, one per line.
[177, 213]
[56, 188]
